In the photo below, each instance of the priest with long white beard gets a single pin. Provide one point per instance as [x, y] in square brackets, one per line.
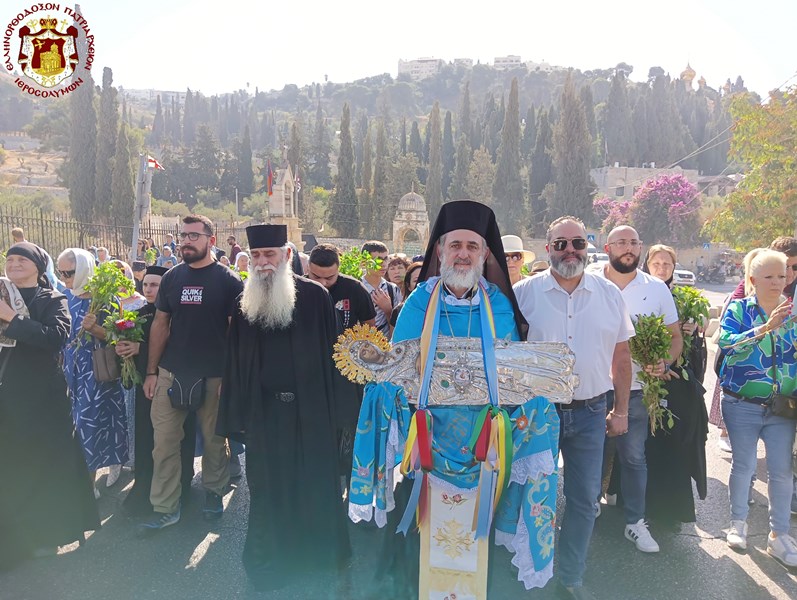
[279, 397]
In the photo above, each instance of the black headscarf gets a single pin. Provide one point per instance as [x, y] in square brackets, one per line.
[35, 254]
[153, 270]
[479, 218]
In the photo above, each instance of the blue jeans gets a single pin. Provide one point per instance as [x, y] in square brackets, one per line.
[631, 454]
[581, 442]
[746, 424]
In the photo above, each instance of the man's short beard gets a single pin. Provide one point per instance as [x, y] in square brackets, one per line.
[568, 270]
[268, 300]
[193, 257]
[454, 278]
[621, 267]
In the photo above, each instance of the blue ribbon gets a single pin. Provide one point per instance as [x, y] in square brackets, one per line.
[488, 349]
[409, 512]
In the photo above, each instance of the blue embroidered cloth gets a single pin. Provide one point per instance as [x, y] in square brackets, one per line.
[525, 517]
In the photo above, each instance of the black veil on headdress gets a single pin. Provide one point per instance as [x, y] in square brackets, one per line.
[479, 218]
[35, 254]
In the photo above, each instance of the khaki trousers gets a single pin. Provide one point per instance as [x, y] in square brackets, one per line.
[167, 423]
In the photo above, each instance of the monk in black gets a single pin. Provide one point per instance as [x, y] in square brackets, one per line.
[279, 396]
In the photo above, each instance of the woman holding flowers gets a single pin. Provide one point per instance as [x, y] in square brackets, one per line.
[47, 498]
[98, 408]
[759, 337]
[677, 455]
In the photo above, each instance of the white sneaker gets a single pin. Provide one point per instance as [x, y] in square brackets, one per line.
[783, 549]
[610, 499]
[724, 444]
[113, 475]
[737, 535]
[639, 534]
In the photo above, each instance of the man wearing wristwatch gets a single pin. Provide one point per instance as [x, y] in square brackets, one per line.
[643, 295]
[587, 312]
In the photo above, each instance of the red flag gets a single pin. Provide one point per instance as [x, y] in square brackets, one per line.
[154, 164]
[270, 180]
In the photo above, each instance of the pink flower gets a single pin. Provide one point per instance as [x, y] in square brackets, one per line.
[362, 471]
[445, 496]
[536, 510]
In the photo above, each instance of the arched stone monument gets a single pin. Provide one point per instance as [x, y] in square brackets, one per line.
[411, 225]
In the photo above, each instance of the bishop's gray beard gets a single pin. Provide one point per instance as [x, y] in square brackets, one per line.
[568, 270]
[268, 300]
[458, 279]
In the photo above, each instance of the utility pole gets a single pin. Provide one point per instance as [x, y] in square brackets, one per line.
[143, 186]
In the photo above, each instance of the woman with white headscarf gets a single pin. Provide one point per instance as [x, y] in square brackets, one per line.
[98, 408]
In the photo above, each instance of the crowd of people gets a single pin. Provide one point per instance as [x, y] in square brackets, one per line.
[275, 313]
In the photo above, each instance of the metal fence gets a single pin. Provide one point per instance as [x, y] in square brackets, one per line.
[56, 232]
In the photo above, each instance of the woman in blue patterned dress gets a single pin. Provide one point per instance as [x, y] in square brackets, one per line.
[98, 408]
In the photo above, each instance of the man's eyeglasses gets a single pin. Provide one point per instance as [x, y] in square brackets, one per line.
[67, 274]
[193, 235]
[626, 243]
[514, 257]
[793, 267]
[577, 243]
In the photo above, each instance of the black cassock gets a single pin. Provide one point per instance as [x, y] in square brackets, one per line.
[47, 498]
[280, 394]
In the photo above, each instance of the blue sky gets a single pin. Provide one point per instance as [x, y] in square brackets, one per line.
[222, 46]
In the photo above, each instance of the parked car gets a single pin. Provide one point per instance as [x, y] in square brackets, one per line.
[682, 276]
[596, 261]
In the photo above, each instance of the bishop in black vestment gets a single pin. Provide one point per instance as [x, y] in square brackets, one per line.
[279, 395]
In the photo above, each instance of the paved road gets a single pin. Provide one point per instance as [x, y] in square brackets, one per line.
[194, 560]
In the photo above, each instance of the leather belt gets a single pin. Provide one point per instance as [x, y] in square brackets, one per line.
[760, 401]
[574, 405]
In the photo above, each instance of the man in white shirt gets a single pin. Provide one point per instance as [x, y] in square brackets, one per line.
[565, 304]
[643, 295]
[385, 295]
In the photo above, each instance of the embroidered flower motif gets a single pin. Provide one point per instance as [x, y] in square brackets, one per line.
[464, 450]
[522, 422]
[536, 509]
[362, 471]
[452, 501]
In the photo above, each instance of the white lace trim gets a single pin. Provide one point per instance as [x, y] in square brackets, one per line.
[360, 512]
[532, 467]
[390, 462]
[518, 544]
[446, 486]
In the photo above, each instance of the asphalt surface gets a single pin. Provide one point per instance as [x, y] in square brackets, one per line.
[197, 560]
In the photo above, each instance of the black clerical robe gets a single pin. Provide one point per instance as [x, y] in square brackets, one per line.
[279, 394]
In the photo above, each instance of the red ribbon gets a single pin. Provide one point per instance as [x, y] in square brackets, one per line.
[483, 441]
[424, 440]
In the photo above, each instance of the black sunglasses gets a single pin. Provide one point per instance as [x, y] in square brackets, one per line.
[67, 274]
[578, 244]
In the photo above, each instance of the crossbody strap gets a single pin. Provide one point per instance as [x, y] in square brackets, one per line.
[776, 383]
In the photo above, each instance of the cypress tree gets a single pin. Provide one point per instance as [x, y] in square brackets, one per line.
[465, 126]
[158, 125]
[359, 139]
[416, 146]
[571, 153]
[459, 182]
[639, 122]
[448, 155]
[189, 119]
[380, 197]
[617, 133]
[107, 126]
[529, 134]
[82, 152]
[246, 175]
[403, 139]
[540, 174]
[507, 193]
[434, 178]
[367, 206]
[343, 202]
[123, 196]
[481, 175]
[318, 171]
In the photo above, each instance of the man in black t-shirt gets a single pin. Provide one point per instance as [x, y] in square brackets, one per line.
[195, 303]
[353, 305]
[350, 297]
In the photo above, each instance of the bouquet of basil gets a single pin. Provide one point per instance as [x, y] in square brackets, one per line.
[650, 345]
[692, 308]
[355, 263]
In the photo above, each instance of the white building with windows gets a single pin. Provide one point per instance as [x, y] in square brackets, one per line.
[507, 62]
[420, 68]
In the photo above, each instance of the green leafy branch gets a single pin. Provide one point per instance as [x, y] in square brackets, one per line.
[650, 345]
[355, 263]
[692, 307]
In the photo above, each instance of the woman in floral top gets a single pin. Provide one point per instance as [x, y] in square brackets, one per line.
[764, 362]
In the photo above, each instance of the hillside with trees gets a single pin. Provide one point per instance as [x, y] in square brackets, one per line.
[521, 141]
